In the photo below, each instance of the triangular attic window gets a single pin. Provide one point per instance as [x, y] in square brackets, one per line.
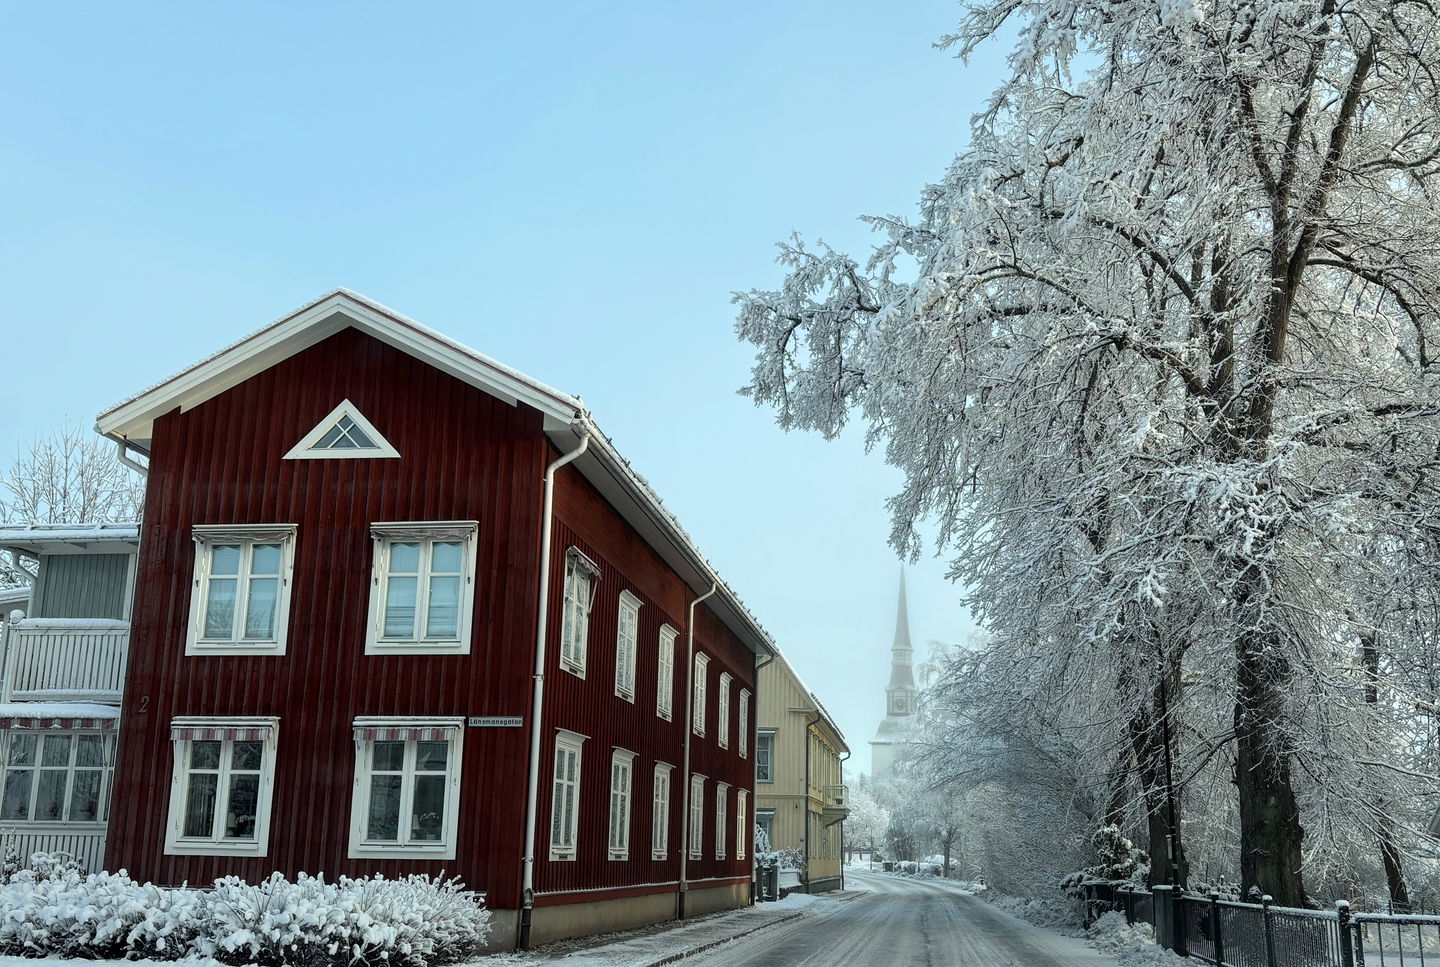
[343, 434]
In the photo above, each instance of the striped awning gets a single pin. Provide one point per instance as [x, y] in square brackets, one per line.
[64, 724]
[404, 733]
[219, 733]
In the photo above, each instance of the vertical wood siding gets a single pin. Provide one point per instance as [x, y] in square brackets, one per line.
[590, 707]
[81, 586]
[464, 456]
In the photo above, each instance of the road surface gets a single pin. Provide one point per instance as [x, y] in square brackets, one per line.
[905, 923]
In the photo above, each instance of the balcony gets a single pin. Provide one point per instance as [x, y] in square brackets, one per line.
[65, 660]
[835, 809]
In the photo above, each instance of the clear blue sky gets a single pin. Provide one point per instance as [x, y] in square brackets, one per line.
[573, 188]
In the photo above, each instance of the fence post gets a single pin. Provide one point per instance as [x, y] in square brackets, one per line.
[1265, 902]
[1347, 948]
[1128, 892]
[1163, 905]
[1215, 935]
[1177, 922]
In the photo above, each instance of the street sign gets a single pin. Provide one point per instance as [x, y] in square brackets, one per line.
[495, 721]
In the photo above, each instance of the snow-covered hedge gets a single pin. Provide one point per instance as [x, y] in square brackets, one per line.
[410, 922]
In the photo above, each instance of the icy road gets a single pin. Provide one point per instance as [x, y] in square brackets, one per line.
[902, 923]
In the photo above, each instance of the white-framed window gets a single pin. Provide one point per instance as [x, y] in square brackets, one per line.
[240, 595]
[744, 735]
[622, 767]
[722, 800]
[697, 816]
[565, 798]
[56, 777]
[406, 801]
[765, 756]
[344, 433]
[665, 679]
[222, 785]
[422, 587]
[742, 814]
[697, 720]
[722, 712]
[660, 812]
[627, 634]
[582, 576]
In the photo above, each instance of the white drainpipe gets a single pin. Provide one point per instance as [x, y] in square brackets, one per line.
[689, 731]
[122, 450]
[532, 794]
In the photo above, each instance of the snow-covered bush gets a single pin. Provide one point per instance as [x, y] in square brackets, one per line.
[412, 922]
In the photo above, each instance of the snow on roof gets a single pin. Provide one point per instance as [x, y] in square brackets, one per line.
[57, 710]
[34, 535]
[9, 597]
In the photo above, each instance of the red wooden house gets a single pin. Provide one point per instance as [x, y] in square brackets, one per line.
[399, 609]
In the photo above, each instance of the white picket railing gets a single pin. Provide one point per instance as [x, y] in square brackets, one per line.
[86, 845]
[65, 660]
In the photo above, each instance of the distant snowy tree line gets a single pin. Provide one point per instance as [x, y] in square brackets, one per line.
[1158, 358]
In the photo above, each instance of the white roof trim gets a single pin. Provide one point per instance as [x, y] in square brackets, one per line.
[305, 449]
[309, 325]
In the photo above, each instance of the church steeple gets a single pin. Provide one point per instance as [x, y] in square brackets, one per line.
[899, 694]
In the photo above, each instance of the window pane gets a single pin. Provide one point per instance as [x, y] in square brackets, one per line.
[260, 608]
[334, 438]
[220, 608]
[431, 756]
[22, 750]
[428, 817]
[15, 801]
[243, 805]
[404, 558]
[443, 614]
[55, 751]
[50, 794]
[445, 558]
[360, 437]
[225, 559]
[200, 803]
[85, 796]
[205, 754]
[400, 607]
[384, 821]
[388, 757]
[246, 755]
[265, 559]
[90, 750]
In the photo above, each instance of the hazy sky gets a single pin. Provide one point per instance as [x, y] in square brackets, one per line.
[573, 188]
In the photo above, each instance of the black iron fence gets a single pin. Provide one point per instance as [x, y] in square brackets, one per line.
[1232, 934]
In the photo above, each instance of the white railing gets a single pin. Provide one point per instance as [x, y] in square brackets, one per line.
[65, 660]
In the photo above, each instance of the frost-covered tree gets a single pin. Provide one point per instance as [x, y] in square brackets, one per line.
[68, 476]
[1157, 356]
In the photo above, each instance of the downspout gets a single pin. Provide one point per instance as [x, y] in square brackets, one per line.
[122, 451]
[808, 726]
[537, 701]
[689, 731]
[752, 741]
[843, 759]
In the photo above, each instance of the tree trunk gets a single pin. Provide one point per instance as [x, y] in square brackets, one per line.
[1147, 743]
[1389, 852]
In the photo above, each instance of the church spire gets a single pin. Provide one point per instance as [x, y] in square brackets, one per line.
[902, 618]
[902, 675]
[899, 694]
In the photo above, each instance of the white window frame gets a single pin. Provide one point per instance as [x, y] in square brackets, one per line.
[426, 533]
[209, 536]
[665, 677]
[569, 743]
[451, 729]
[742, 808]
[697, 716]
[36, 768]
[722, 712]
[622, 782]
[660, 811]
[184, 731]
[722, 804]
[697, 816]
[743, 738]
[765, 734]
[305, 449]
[575, 612]
[626, 644]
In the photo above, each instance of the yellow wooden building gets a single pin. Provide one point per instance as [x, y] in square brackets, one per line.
[799, 775]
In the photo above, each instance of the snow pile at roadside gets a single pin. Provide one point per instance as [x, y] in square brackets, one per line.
[1133, 944]
[1062, 915]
